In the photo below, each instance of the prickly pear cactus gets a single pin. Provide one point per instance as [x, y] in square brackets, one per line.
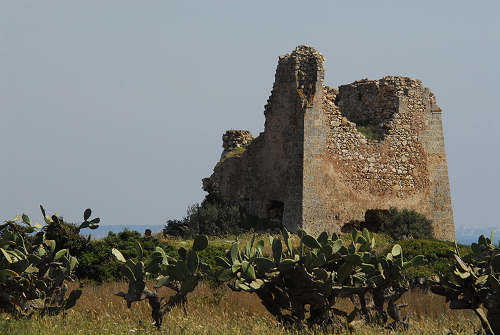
[290, 279]
[475, 283]
[315, 274]
[31, 269]
[375, 282]
[181, 275]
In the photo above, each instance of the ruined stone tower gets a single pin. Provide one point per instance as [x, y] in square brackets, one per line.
[327, 155]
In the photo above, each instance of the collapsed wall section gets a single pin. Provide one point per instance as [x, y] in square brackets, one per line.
[402, 166]
[265, 177]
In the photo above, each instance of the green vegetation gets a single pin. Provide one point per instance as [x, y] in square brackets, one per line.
[400, 224]
[180, 275]
[297, 285]
[33, 273]
[371, 132]
[94, 261]
[97, 265]
[475, 283]
[439, 254]
[236, 152]
[217, 217]
[330, 284]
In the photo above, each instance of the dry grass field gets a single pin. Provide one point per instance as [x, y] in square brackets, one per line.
[100, 312]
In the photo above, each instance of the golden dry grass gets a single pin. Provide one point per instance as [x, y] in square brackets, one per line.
[100, 312]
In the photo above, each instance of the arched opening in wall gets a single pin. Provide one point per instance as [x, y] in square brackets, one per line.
[370, 104]
[275, 211]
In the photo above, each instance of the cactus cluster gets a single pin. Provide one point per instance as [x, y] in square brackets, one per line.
[295, 284]
[298, 284]
[475, 283]
[33, 273]
[376, 277]
[181, 275]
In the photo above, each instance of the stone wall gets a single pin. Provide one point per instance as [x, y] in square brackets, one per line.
[440, 198]
[369, 102]
[315, 159]
[269, 171]
[235, 139]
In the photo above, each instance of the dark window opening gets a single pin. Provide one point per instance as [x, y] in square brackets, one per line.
[275, 210]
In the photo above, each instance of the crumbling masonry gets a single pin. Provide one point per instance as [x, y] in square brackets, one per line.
[328, 155]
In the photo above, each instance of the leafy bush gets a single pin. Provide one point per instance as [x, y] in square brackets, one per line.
[439, 255]
[176, 227]
[210, 253]
[404, 224]
[215, 216]
[67, 236]
[97, 265]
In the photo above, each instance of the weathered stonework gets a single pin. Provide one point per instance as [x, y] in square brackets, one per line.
[235, 139]
[314, 168]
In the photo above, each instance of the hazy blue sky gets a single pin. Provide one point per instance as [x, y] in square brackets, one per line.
[120, 105]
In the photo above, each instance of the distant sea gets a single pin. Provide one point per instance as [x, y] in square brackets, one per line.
[468, 235]
[463, 235]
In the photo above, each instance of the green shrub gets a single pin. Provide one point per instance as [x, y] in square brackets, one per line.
[209, 254]
[215, 217]
[96, 264]
[403, 224]
[67, 236]
[94, 259]
[176, 227]
[439, 254]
